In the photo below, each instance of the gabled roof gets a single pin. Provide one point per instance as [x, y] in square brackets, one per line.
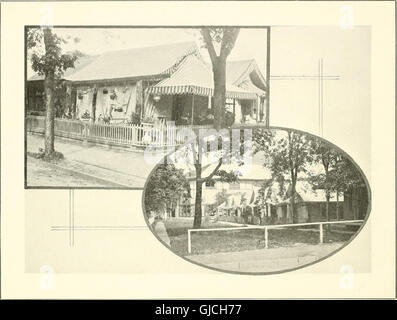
[80, 63]
[236, 68]
[238, 71]
[194, 76]
[305, 193]
[137, 62]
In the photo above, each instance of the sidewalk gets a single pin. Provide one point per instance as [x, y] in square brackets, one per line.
[108, 166]
[266, 260]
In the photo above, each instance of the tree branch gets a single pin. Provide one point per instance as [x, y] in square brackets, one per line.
[214, 171]
[210, 46]
[228, 41]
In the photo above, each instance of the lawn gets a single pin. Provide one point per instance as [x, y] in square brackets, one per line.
[239, 240]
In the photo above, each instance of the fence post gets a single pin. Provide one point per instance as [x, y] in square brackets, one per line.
[266, 238]
[189, 242]
[321, 233]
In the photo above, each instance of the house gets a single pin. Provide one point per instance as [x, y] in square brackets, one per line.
[35, 104]
[156, 84]
[311, 204]
[238, 195]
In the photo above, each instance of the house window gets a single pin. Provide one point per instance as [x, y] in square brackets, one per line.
[210, 183]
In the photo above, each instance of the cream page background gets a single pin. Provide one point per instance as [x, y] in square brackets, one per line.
[133, 264]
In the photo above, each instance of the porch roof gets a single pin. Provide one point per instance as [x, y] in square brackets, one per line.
[195, 77]
[134, 63]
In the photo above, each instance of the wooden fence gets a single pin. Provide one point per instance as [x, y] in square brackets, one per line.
[267, 227]
[127, 135]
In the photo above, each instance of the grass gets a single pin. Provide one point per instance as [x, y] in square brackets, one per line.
[239, 240]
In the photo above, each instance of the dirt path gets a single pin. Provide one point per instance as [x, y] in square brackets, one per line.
[123, 167]
[266, 260]
[40, 173]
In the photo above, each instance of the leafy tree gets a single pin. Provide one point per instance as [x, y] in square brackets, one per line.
[221, 197]
[339, 173]
[222, 174]
[264, 195]
[165, 187]
[213, 37]
[196, 152]
[224, 38]
[287, 153]
[346, 177]
[48, 60]
[328, 157]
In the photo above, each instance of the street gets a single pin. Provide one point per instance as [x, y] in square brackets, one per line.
[92, 165]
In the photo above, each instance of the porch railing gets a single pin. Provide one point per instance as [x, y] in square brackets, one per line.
[140, 135]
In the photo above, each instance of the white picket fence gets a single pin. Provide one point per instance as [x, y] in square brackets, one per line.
[129, 135]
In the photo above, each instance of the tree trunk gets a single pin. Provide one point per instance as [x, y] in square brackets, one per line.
[219, 71]
[93, 105]
[327, 191]
[50, 115]
[198, 200]
[327, 197]
[292, 202]
[337, 205]
[49, 97]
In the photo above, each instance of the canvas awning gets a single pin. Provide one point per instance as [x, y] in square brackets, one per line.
[195, 77]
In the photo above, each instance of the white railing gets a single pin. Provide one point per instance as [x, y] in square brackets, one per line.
[135, 135]
[267, 227]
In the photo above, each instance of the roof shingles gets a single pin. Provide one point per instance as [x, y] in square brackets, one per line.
[134, 62]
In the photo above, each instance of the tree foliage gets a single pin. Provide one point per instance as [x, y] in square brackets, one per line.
[219, 42]
[264, 194]
[221, 197]
[47, 59]
[287, 154]
[165, 187]
[46, 54]
[339, 173]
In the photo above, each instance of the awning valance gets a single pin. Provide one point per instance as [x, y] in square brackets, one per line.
[199, 91]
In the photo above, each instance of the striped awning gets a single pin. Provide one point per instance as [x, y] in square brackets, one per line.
[198, 91]
[194, 77]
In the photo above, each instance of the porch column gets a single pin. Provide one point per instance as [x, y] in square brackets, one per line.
[139, 98]
[192, 109]
[234, 110]
[68, 99]
[258, 106]
[73, 96]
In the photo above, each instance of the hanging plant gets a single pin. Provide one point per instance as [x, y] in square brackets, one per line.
[105, 91]
[85, 115]
[113, 96]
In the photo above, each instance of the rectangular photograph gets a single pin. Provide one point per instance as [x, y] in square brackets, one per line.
[97, 97]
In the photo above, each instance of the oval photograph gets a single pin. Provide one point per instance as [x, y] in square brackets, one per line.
[256, 201]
